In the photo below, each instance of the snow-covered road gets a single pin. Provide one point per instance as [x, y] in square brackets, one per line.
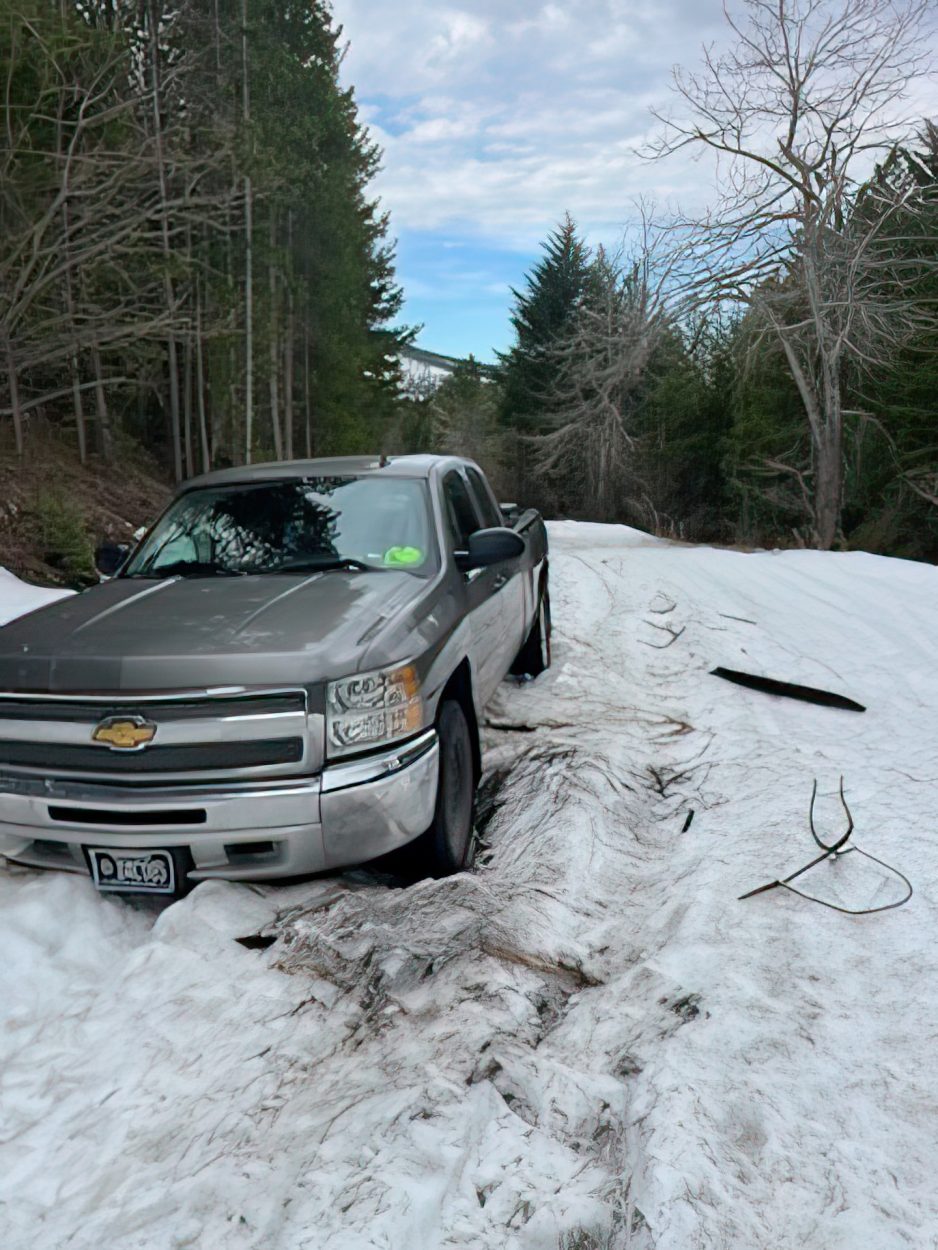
[586, 1043]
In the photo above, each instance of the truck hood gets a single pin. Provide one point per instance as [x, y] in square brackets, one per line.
[189, 633]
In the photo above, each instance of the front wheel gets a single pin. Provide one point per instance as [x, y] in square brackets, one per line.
[534, 657]
[447, 845]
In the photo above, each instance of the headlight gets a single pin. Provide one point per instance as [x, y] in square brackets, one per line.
[371, 709]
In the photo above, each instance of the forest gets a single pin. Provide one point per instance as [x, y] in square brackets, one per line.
[195, 272]
[188, 253]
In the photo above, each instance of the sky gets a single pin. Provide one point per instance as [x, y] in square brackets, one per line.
[499, 116]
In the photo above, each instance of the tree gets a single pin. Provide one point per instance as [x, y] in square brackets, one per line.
[464, 421]
[186, 231]
[88, 213]
[796, 112]
[543, 310]
[599, 361]
[682, 428]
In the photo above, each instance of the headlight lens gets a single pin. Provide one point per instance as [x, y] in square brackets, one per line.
[371, 709]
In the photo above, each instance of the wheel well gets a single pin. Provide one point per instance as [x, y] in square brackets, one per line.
[459, 687]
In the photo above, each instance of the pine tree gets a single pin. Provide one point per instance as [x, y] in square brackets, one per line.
[543, 310]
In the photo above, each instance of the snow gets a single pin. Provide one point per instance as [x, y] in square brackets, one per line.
[588, 1042]
[17, 597]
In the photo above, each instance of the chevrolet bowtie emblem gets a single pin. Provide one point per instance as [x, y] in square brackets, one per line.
[124, 733]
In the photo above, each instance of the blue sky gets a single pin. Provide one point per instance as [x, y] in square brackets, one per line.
[497, 117]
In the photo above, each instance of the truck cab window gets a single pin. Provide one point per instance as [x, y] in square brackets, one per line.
[460, 511]
[490, 514]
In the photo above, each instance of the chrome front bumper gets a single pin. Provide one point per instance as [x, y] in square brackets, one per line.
[348, 814]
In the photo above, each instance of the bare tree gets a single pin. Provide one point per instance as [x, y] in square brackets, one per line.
[797, 113]
[590, 454]
[89, 238]
[463, 415]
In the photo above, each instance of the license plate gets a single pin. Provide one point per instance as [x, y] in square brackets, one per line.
[132, 872]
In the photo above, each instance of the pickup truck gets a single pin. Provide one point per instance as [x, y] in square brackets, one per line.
[286, 675]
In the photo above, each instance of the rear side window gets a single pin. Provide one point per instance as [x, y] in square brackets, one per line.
[460, 510]
[490, 514]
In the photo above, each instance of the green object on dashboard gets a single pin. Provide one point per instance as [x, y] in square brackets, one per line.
[403, 556]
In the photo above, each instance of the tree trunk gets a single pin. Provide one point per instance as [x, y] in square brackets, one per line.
[168, 294]
[288, 381]
[248, 321]
[78, 407]
[229, 437]
[274, 342]
[187, 406]
[14, 397]
[288, 350]
[200, 381]
[105, 434]
[307, 407]
[828, 488]
[248, 252]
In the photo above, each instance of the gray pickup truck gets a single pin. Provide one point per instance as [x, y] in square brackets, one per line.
[286, 675]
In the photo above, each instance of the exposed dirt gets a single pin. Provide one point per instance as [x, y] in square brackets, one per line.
[108, 501]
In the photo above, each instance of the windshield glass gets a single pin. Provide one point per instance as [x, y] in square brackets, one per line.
[293, 526]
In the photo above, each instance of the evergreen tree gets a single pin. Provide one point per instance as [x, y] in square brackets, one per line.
[543, 312]
[682, 427]
[893, 462]
[464, 415]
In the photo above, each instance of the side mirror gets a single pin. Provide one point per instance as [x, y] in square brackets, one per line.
[490, 547]
[108, 557]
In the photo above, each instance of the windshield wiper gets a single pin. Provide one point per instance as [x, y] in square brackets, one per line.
[189, 568]
[326, 565]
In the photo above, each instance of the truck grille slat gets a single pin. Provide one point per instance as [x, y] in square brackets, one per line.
[195, 757]
[127, 819]
[87, 711]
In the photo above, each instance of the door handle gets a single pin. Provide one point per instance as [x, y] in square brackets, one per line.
[499, 582]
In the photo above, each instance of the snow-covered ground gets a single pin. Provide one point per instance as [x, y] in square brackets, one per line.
[16, 597]
[586, 1043]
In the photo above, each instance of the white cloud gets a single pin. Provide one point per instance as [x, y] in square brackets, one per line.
[501, 117]
[497, 116]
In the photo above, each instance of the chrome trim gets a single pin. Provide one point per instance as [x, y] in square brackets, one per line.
[62, 790]
[361, 822]
[135, 697]
[223, 727]
[190, 732]
[390, 803]
[237, 815]
[374, 767]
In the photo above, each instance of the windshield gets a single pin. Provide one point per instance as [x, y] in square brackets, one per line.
[295, 526]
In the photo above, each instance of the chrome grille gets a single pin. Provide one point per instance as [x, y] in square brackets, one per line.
[195, 757]
[200, 736]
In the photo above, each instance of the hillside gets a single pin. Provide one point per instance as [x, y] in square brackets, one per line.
[53, 510]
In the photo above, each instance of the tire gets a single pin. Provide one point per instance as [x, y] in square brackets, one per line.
[534, 657]
[448, 845]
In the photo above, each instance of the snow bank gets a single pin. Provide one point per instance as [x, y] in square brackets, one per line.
[17, 597]
[588, 1042]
